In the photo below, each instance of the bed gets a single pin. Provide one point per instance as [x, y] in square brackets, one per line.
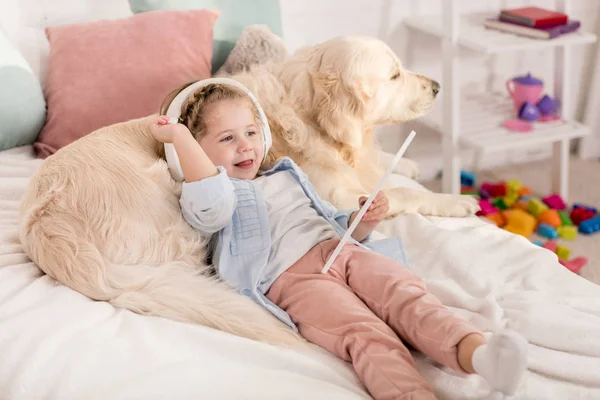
[58, 344]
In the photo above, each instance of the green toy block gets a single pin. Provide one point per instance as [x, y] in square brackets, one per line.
[563, 252]
[567, 232]
[536, 207]
[499, 203]
[513, 186]
[565, 219]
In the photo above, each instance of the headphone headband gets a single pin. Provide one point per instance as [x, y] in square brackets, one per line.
[174, 113]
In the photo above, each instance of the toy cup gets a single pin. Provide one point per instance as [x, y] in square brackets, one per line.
[524, 89]
[547, 105]
[529, 112]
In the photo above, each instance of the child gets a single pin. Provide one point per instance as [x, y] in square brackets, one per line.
[272, 234]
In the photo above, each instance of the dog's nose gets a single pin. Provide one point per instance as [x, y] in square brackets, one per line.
[435, 87]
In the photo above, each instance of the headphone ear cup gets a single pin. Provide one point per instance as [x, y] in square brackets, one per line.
[173, 162]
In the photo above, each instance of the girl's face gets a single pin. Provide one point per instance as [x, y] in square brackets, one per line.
[232, 139]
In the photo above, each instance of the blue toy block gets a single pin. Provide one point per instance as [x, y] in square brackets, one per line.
[538, 242]
[579, 205]
[590, 226]
[547, 231]
[467, 178]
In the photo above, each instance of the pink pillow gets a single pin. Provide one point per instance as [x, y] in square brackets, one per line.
[110, 71]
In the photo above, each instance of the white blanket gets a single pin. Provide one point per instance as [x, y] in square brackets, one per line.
[57, 344]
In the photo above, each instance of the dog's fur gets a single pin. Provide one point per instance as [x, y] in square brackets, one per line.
[102, 216]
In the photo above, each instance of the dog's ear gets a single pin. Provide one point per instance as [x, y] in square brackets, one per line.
[339, 108]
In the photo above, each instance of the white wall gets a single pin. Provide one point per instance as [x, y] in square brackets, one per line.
[312, 21]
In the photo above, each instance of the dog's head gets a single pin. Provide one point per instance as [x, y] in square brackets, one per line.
[359, 83]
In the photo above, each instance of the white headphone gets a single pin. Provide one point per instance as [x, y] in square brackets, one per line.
[174, 112]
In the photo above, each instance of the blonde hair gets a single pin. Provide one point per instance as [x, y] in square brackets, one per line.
[192, 108]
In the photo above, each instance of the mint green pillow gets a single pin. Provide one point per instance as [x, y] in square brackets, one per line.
[235, 16]
[22, 103]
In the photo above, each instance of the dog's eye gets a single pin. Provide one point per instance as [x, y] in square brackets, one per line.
[396, 76]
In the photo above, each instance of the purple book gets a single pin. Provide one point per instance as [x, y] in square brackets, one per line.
[549, 32]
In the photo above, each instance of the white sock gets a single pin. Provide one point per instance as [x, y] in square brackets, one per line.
[502, 361]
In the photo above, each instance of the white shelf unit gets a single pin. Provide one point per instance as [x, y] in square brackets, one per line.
[476, 121]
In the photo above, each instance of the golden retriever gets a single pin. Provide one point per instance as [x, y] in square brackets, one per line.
[102, 214]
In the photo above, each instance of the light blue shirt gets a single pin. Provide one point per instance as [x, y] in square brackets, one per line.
[234, 212]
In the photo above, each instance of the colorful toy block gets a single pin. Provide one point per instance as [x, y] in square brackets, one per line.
[499, 203]
[563, 252]
[550, 245]
[497, 218]
[567, 232]
[470, 190]
[524, 191]
[575, 264]
[550, 217]
[483, 194]
[494, 189]
[510, 199]
[547, 231]
[592, 209]
[520, 222]
[487, 208]
[565, 220]
[580, 214]
[590, 226]
[555, 201]
[536, 207]
[513, 186]
[537, 242]
[467, 178]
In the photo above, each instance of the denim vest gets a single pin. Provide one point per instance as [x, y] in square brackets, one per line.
[235, 212]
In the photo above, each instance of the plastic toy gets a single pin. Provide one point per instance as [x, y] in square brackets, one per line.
[537, 242]
[575, 264]
[536, 207]
[524, 89]
[550, 245]
[494, 190]
[497, 219]
[467, 178]
[563, 252]
[590, 226]
[547, 105]
[521, 223]
[567, 232]
[555, 201]
[547, 231]
[565, 220]
[580, 214]
[487, 208]
[551, 218]
[500, 203]
[588, 208]
[529, 112]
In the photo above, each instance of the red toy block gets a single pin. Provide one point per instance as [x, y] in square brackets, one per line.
[575, 264]
[578, 215]
[494, 189]
[555, 201]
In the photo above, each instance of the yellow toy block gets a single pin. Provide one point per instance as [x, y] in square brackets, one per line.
[520, 222]
[563, 252]
[510, 199]
[513, 186]
[536, 207]
[567, 232]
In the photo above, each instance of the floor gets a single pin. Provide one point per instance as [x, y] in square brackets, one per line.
[584, 187]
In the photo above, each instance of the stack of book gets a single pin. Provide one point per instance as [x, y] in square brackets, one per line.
[533, 22]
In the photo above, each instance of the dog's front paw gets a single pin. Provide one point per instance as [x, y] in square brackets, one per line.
[450, 205]
[407, 168]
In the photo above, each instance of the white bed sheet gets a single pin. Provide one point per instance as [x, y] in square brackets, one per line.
[57, 344]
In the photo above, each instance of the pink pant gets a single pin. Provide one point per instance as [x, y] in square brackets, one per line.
[358, 311]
